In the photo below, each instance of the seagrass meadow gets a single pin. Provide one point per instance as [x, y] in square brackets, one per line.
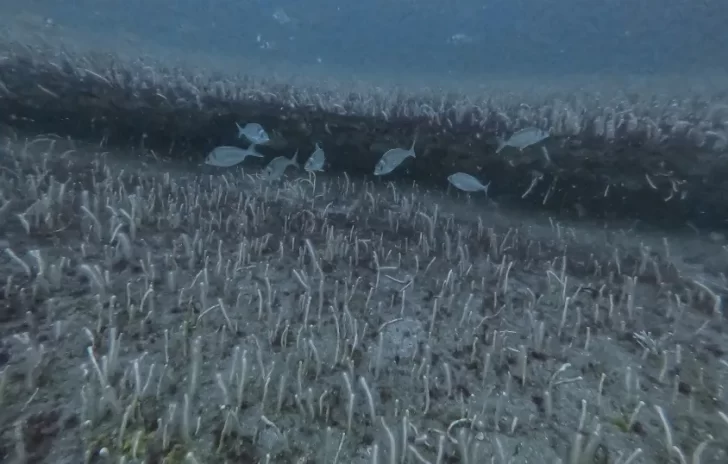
[651, 149]
[153, 310]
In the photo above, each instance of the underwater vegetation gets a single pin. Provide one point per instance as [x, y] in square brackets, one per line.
[186, 276]
[648, 149]
[151, 314]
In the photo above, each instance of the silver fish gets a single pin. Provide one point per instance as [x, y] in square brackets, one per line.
[459, 39]
[316, 161]
[275, 169]
[393, 158]
[281, 16]
[224, 156]
[467, 183]
[523, 138]
[254, 132]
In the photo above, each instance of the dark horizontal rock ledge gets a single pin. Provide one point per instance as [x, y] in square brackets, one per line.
[688, 182]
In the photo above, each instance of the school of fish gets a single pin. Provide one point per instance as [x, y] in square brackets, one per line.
[227, 156]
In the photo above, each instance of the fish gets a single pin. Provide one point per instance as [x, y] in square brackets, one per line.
[316, 161]
[393, 158]
[278, 165]
[459, 39]
[254, 132]
[467, 183]
[281, 16]
[523, 138]
[224, 156]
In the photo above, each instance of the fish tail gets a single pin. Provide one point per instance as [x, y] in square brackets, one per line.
[294, 160]
[487, 186]
[414, 142]
[501, 145]
[253, 152]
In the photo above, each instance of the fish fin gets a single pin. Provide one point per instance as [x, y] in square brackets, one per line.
[294, 160]
[240, 129]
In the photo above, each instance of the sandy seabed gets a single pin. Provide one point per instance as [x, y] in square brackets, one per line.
[149, 313]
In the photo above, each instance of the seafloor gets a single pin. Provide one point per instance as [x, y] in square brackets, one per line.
[151, 313]
[155, 311]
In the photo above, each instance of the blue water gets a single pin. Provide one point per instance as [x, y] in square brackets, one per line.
[524, 37]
